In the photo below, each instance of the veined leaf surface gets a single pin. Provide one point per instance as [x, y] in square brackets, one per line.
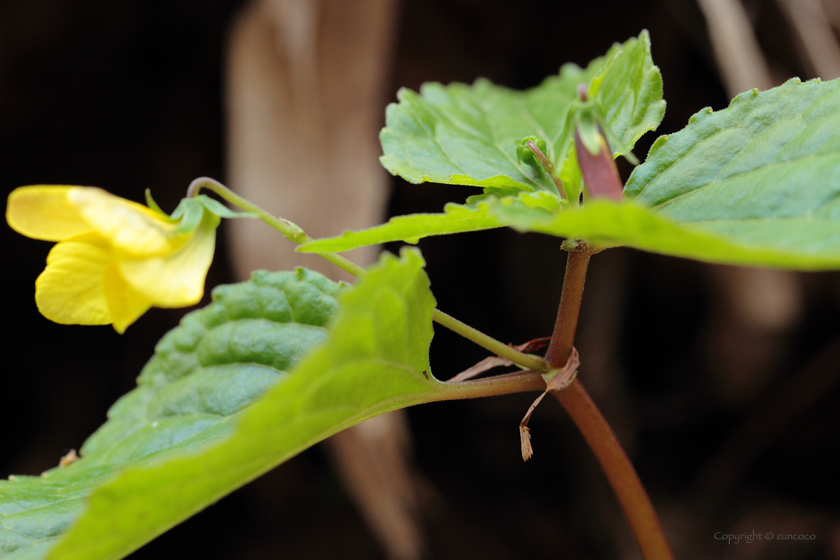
[204, 374]
[375, 360]
[467, 135]
[195, 429]
[755, 184]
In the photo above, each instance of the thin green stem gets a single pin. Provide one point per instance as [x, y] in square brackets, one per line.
[290, 230]
[294, 233]
[500, 349]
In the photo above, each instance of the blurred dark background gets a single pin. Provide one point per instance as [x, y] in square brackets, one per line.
[731, 421]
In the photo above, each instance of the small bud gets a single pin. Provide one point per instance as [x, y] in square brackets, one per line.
[531, 151]
[600, 175]
[526, 155]
[582, 92]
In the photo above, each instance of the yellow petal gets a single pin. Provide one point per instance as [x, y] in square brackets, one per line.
[125, 303]
[45, 212]
[70, 290]
[176, 280]
[128, 226]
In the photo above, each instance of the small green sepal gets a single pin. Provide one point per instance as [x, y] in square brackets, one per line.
[150, 202]
[190, 211]
[219, 209]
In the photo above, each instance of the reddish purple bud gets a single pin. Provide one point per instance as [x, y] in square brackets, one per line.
[600, 174]
[582, 92]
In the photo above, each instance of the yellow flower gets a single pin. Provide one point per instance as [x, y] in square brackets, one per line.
[114, 258]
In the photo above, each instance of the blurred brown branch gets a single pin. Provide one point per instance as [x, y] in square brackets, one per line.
[814, 30]
[740, 60]
[305, 90]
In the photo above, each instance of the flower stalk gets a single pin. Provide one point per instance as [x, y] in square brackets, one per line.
[294, 233]
[290, 231]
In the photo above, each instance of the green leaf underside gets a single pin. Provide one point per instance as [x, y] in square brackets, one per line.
[204, 374]
[466, 135]
[374, 360]
[457, 218]
[812, 245]
[755, 184]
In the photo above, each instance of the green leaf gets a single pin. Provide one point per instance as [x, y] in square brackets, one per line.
[755, 184]
[374, 361]
[464, 135]
[763, 174]
[204, 374]
[769, 154]
[629, 97]
[469, 135]
[457, 218]
[604, 224]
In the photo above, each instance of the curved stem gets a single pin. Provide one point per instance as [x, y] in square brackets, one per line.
[294, 233]
[547, 166]
[621, 475]
[290, 231]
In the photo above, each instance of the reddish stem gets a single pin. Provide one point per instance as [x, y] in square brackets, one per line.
[620, 473]
[563, 337]
[547, 166]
